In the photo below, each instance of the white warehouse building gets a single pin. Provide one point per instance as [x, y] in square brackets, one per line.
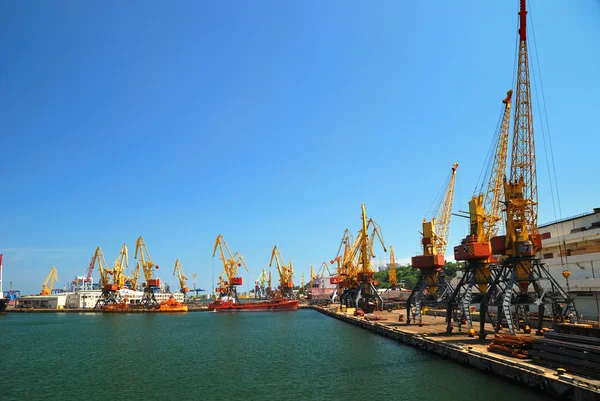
[573, 244]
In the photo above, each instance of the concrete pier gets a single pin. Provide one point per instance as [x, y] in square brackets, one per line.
[459, 347]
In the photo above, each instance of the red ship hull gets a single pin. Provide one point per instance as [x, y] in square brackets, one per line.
[266, 306]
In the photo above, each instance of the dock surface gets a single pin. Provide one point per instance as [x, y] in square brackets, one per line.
[461, 348]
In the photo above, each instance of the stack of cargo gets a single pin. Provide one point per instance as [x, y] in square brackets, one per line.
[576, 354]
[510, 345]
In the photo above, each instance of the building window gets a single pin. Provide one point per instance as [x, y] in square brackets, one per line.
[546, 235]
[548, 255]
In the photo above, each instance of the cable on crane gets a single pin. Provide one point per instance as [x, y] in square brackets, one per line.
[550, 165]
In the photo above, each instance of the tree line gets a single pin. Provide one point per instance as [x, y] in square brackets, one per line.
[408, 276]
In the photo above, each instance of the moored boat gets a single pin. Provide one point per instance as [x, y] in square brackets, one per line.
[226, 305]
[3, 304]
[170, 305]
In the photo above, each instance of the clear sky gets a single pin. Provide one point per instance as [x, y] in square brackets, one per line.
[269, 122]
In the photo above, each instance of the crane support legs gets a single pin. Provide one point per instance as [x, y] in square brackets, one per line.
[436, 296]
[510, 292]
[367, 292]
[108, 297]
[365, 296]
[148, 299]
[478, 275]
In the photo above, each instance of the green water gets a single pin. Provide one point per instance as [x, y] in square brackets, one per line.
[251, 356]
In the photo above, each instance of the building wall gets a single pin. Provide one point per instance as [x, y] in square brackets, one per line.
[574, 245]
[83, 299]
[42, 301]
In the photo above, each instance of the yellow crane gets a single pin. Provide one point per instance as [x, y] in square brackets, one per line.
[324, 268]
[312, 276]
[520, 267]
[286, 272]
[355, 273]
[147, 266]
[231, 264]
[102, 267]
[133, 280]
[392, 269]
[431, 262]
[49, 282]
[110, 291]
[119, 267]
[485, 210]
[303, 281]
[346, 274]
[178, 270]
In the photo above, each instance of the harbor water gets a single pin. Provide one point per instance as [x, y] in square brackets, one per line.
[218, 356]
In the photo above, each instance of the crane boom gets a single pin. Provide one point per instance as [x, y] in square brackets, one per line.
[493, 199]
[118, 268]
[133, 280]
[49, 282]
[435, 232]
[324, 267]
[147, 263]
[102, 267]
[485, 215]
[443, 219]
[392, 269]
[521, 189]
[231, 262]
[178, 271]
[286, 272]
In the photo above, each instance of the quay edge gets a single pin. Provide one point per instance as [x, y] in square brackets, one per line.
[563, 387]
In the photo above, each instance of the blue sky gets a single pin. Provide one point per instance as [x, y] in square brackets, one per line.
[269, 122]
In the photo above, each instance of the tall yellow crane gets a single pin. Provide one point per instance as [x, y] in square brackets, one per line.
[49, 282]
[485, 210]
[286, 272]
[359, 290]
[118, 270]
[430, 263]
[303, 285]
[231, 264]
[110, 291]
[133, 280]
[520, 268]
[312, 276]
[392, 269]
[178, 271]
[344, 268]
[147, 265]
[102, 267]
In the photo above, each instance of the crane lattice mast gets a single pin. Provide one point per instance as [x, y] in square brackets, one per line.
[485, 215]
[392, 269]
[520, 267]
